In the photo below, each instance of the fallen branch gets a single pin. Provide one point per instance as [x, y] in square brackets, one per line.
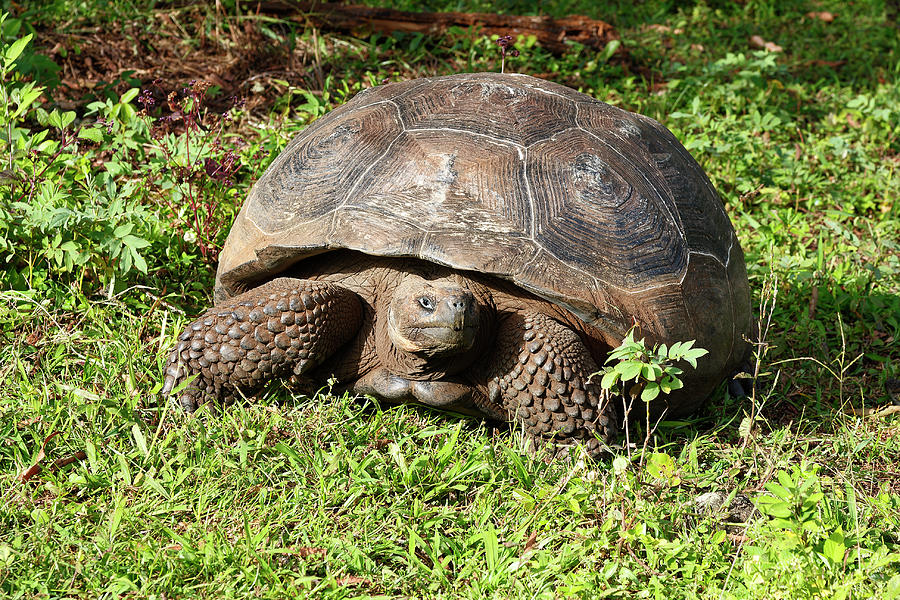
[552, 34]
[869, 411]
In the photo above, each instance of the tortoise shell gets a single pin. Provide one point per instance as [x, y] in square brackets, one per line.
[594, 208]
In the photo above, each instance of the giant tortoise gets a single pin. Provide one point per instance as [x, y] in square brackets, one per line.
[477, 242]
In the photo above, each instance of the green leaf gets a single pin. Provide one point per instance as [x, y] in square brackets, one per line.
[125, 264]
[651, 391]
[669, 383]
[130, 95]
[133, 241]
[92, 134]
[785, 480]
[834, 548]
[116, 516]
[139, 439]
[813, 500]
[609, 50]
[629, 369]
[693, 354]
[122, 230]
[851, 501]
[491, 548]
[292, 455]
[67, 118]
[609, 380]
[16, 48]
[778, 490]
[139, 261]
[25, 99]
[774, 507]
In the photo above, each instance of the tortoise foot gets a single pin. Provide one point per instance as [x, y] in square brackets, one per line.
[542, 377]
[282, 328]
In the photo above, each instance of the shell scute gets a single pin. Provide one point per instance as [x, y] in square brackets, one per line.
[593, 212]
[507, 110]
[309, 177]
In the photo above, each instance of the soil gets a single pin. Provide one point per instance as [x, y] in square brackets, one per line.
[176, 49]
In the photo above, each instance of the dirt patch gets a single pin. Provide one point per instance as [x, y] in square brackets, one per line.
[236, 57]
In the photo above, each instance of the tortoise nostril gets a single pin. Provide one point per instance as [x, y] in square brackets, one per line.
[461, 302]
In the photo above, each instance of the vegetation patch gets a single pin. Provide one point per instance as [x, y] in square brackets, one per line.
[126, 153]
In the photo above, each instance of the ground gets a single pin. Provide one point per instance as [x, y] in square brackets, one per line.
[112, 219]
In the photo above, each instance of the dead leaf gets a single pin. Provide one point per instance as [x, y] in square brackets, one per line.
[33, 338]
[529, 543]
[306, 551]
[34, 469]
[822, 16]
[59, 463]
[659, 28]
[757, 42]
[852, 122]
[352, 580]
[698, 47]
[831, 64]
[28, 422]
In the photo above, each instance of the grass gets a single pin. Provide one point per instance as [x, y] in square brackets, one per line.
[337, 497]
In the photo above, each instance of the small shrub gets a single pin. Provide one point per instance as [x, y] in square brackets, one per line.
[58, 212]
[652, 370]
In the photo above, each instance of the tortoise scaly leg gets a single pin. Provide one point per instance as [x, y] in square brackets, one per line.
[283, 327]
[541, 376]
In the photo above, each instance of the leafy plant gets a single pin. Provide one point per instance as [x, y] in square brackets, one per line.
[57, 212]
[652, 370]
[73, 194]
[815, 535]
[193, 164]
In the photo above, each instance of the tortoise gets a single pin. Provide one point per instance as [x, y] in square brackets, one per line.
[474, 242]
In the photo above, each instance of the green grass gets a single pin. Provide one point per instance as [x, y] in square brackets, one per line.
[337, 497]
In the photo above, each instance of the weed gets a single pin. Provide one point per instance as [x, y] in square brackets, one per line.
[652, 370]
[193, 164]
[505, 42]
[58, 214]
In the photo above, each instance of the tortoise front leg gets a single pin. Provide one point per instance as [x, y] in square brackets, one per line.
[541, 375]
[283, 327]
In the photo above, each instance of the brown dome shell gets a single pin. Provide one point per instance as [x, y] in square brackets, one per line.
[590, 206]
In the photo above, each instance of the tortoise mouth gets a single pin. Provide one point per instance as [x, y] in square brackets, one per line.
[436, 340]
[453, 328]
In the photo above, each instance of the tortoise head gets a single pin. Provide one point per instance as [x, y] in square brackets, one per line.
[433, 317]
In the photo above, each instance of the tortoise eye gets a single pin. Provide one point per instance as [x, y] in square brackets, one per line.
[426, 303]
